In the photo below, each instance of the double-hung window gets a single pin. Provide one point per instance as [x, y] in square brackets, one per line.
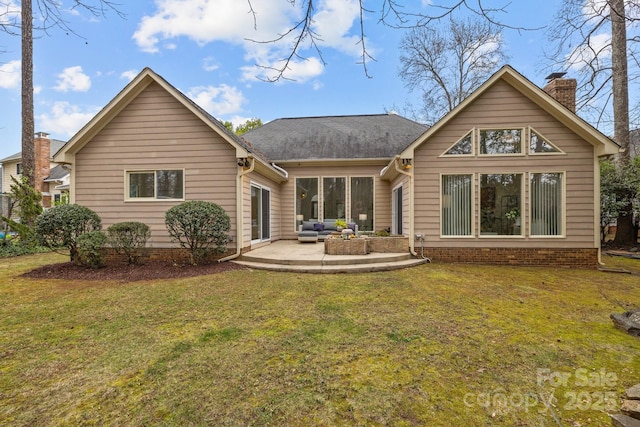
[155, 185]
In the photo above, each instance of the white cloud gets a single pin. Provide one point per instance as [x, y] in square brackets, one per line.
[37, 90]
[209, 64]
[594, 8]
[10, 74]
[73, 79]
[333, 22]
[65, 119]
[600, 44]
[297, 70]
[239, 120]
[218, 100]
[129, 74]
[10, 14]
[206, 21]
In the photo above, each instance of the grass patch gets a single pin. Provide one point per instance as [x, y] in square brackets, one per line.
[433, 345]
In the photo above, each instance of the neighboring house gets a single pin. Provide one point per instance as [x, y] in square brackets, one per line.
[509, 176]
[49, 175]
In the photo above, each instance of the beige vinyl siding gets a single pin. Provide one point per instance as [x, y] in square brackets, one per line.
[382, 201]
[8, 170]
[154, 132]
[503, 106]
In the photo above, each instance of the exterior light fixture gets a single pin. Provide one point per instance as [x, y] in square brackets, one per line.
[406, 163]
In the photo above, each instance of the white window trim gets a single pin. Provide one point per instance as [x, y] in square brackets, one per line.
[473, 207]
[564, 206]
[523, 140]
[154, 199]
[522, 235]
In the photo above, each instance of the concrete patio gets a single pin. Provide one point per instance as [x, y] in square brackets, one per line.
[293, 256]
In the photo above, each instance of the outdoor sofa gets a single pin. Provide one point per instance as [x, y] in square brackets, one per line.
[312, 231]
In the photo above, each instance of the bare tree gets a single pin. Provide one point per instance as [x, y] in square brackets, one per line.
[601, 60]
[392, 13]
[448, 64]
[50, 15]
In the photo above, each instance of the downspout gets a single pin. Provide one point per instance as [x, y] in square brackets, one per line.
[239, 208]
[596, 193]
[411, 200]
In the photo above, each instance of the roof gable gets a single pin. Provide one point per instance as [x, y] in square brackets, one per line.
[507, 74]
[124, 98]
[335, 137]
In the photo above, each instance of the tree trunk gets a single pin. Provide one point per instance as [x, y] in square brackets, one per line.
[28, 155]
[620, 81]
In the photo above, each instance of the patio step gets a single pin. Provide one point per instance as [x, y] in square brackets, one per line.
[326, 260]
[360, 267]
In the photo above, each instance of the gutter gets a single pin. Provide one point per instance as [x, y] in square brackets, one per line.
[411, 204]
[239, 208]
[278, 168]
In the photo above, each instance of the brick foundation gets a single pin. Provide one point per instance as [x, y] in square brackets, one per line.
[177, 255]
[549, 257]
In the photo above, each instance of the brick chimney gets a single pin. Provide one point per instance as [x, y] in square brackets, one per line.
[42, 154]
[563, 90]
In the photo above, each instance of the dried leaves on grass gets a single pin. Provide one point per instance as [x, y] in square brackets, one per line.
[432, 345]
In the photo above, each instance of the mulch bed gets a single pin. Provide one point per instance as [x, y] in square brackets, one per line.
[151, 270]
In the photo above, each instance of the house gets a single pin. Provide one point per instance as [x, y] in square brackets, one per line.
[50, 177]
[509, 176]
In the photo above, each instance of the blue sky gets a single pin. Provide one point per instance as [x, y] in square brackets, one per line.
[201, 47]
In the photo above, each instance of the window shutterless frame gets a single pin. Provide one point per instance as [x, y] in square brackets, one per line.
[547, 204]
[501, 141]
[154, 185]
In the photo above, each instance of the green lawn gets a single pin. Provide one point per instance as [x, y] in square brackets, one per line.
[435, 345]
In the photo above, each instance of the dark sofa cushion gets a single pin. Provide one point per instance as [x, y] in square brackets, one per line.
[318, 226]
[330, 225]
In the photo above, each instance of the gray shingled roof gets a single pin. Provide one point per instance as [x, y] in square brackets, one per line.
[57, 173]
[335, 137]
[56, 145]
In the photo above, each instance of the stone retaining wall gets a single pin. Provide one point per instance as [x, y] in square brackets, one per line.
[393, 244]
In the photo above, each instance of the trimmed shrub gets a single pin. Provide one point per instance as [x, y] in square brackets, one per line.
[17, 247]
[129, 238]
[199, 227]
[60, 227]
[90, 246]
